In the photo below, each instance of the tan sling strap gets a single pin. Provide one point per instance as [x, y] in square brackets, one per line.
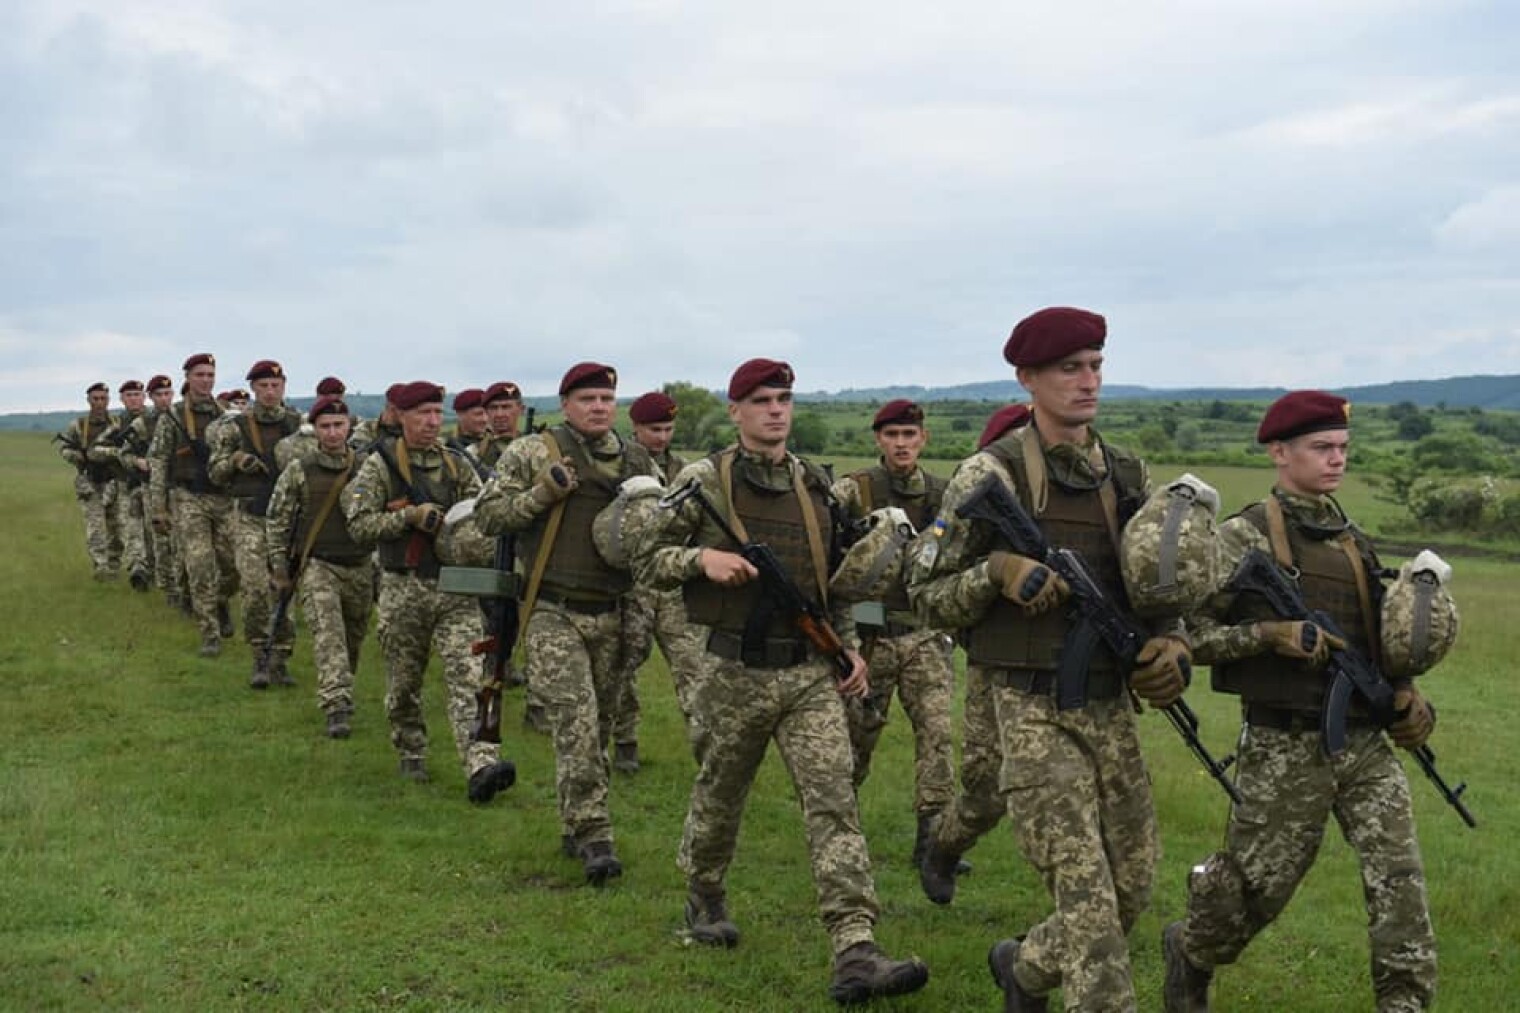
[726, 480]
[863, 486]
[809, 516]
[1034, 469]
[189, 418]
[1106, 495]
[252, 429]
[551, 532]
[1363, 595]
[1277, 535]
[324, 510]
[404, 462]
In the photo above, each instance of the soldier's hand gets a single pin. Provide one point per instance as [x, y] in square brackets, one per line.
[1299, 639]
[279, 579]
[727, 569]
[1416, 719]
[857, 683]
[1026, 582]
[555, 482]
[426, 517]
[1159, 676]
[249, 464]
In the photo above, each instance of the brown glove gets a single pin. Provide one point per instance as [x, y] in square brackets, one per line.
[1417, 719]
[1159, 677]
[1026, 582]
[1300, 640]
[248, 464]
[426, 517]
[279, 579]
[555, 482]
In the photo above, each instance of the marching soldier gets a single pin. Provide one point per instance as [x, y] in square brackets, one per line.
[471, 423]
[130, 519]
[168, 574]
[503, 405]
[84, 444]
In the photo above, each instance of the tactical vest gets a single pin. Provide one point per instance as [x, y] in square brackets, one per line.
[775, 519]
[413, 550]
[668, 465]
[574, 569]
[187, 468]
[258, 437]
[1328, 582]
[875, 486]
[91, 434]
[1006, 637]
[333, 542]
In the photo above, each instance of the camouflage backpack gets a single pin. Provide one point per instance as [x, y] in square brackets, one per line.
[1169, 553]
[1420, 619]
[874, 563]
[614, 528]
[460, 541]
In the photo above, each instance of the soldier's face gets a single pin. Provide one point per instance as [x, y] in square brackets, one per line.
[763, 418]
[590, 410]
[202, 380]
[1066, 391]
[421, 425]
[99, 401]
[502, 415]
[654, 437]
[132, 400]
[473, 421]
[162, 398]
[332, 432]
[901, 445]
[269, 391]
[1313, 464]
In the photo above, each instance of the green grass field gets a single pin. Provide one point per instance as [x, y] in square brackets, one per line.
[171, 840]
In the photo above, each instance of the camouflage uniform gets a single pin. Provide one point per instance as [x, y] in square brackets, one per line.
[337, 578]
[85, 444]
[131, 518]
[1076, 786]
[202, 515]
[162, 559]
[742, 707]
[256, 431]
[1289, 784]
[487, 450]
[414, 616]
[574, 633]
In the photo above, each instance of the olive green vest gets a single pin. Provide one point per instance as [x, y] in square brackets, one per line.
[333, 542]
[438, 483]
[188, 466]
[876, 491]
[258, 437]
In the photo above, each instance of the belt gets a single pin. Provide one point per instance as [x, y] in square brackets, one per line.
[345, 560]
[1285, 719]
[582, 606]
[1100, 685]
[773, 652]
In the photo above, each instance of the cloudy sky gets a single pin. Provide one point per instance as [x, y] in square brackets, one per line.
[1299, 192]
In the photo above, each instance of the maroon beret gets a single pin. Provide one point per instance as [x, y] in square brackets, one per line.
[130, 387]
[392, 391]
[327, 404]
[1303, 411]
[265, 369]
[1003, 420]
[470, 397]
[159, 382]
[510, 391]
[759, 373]
[900, 412]
[331, 385]
[199, 359]
[1053, 333]
[651, 408]
[97, 385]
[587, 374]
[418, 392]
[236, 394]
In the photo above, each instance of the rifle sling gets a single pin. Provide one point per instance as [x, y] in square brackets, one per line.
[551, 532]
[323, 511]
[1363, 595]
[809, 516]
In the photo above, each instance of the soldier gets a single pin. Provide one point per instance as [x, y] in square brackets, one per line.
[1290, 785]
[243, 462]
[368, 432]
[180, 482]
[163, 560]
[84, 444]
[398, 499]
[1078, 793]
[130, 522]
[549, 487]
[471, 421]
[761, 680]
[308, 542]
[1001, 421]
[902, 655]
[502, 402]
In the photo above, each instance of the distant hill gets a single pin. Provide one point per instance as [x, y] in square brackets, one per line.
[1489, 392]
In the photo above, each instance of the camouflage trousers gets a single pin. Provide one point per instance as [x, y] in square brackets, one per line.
[415, 619]
[168, 570]
[651, 616]
[1290, 790]
[102, 538]
[337, 601]
[740, 711]
[203, 525]
[1079, 798]
[917, 667]
[575, 658]
[981, 801]
[251, 551]
[132, 522]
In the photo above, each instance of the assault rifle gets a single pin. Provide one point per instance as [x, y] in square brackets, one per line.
[505, 622]
[417, 542]
[1096, 618]
[197, 446]
[282, 603]
[1350, 673]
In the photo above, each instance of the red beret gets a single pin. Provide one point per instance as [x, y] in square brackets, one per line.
[331, 385]
[587, 374]
[509, 390]
[327, 404]
[418, 392]
[1303, 411]
[759, 373]
[199, 359]
[130, 387]
[97, 385]
[392, 391]
[1053, 333]
[159, 382]
[900, 412]
[1003, 420]
[651, 408]
[470, 397]
[236, 394]
[265, 369]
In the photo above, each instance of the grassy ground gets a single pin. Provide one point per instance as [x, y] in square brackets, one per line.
[171, 840]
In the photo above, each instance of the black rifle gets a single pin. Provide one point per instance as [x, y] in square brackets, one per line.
[505, 622]
[201, 483]
[1350, 673]
[1095, 617]
[282, 603]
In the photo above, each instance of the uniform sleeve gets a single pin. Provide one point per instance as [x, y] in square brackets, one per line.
[223, 439]
[68, 445]
[103, 450]
[280, 520]
[506, 503]
[947, 564]
[160, 451]
[364, 505]
[1214, 639]
[847, 492]
[673, 549]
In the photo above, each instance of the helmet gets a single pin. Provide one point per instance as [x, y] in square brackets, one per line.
[460, 542]
[874, 563]
[614, 528]
[1420, 619]
[1169, 554]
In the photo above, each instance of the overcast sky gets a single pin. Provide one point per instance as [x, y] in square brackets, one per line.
[1296, 192]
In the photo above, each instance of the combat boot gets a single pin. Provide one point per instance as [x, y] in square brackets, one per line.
[260, 677]
[338, 726]
[928, 823]
[707, 918]
[211, 647]
[413, 769]
[864, 972]
[1186, 987]
[625, 757]
[224, 620]
[1000, 961]
[140, 581]
[490, 779]
[599, 863]
[937, 872]
[279, 668]
[568, 847]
